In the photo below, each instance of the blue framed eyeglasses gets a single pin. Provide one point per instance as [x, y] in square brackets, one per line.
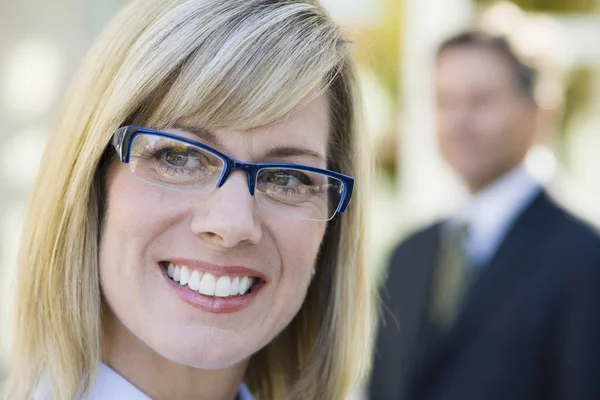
[177, 163]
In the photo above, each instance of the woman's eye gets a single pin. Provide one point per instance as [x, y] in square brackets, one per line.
[184, 158]
[177, 158]
[288, 179]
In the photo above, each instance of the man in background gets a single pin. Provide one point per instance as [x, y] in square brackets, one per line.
[502, 299]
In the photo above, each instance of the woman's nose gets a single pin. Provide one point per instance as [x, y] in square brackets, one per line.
[229, 218]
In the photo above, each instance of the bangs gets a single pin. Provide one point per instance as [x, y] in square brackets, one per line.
[240, 64]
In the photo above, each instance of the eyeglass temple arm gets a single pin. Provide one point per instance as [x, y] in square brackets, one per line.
[118, 140]
[349, 188]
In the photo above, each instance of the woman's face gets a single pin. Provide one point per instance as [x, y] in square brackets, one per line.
[223, 234]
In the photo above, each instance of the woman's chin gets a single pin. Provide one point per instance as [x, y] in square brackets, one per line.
[213, 358]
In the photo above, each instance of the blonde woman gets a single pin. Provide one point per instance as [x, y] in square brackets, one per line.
[191, 234]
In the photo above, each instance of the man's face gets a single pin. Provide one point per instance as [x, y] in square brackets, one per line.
[486, 124]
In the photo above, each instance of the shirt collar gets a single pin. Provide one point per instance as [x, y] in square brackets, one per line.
[110, 385]
[244, 393]
[490, 212]
[500, 198]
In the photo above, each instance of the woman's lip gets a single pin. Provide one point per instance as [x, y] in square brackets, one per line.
[217, 270]
[214, 305]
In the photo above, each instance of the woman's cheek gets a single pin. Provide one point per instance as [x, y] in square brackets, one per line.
[299, 245]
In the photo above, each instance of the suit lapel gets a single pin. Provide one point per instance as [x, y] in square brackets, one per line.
[514, 258]
[410, 299]
[415, 304]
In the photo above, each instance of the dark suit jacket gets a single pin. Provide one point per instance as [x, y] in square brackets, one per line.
[529, 328]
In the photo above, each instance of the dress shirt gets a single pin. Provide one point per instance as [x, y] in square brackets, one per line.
[109, 385]
[491, 212]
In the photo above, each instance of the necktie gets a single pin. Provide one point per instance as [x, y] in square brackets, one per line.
[451, 275]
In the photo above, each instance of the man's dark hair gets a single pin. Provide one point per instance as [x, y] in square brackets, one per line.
[525, 75]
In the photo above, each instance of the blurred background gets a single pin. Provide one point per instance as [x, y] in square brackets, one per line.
[41, 44]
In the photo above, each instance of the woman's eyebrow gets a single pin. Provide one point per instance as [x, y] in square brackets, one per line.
[204, 134]
[293, 151]
[274, 152]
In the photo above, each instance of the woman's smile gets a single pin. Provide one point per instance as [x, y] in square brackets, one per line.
[212, 288]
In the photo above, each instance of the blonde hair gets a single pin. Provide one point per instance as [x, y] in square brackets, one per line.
[235, 63]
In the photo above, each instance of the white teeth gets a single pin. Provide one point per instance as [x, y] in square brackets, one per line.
[194, 282]
[207, 285]
[184, 277]
[250, 283]
[235, 286]
[245, 284]
[223, 288]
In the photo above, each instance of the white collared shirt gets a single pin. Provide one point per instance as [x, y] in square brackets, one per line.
[109, 385]
[491, 212]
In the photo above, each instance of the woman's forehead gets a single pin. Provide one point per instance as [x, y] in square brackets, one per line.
[307, 127]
